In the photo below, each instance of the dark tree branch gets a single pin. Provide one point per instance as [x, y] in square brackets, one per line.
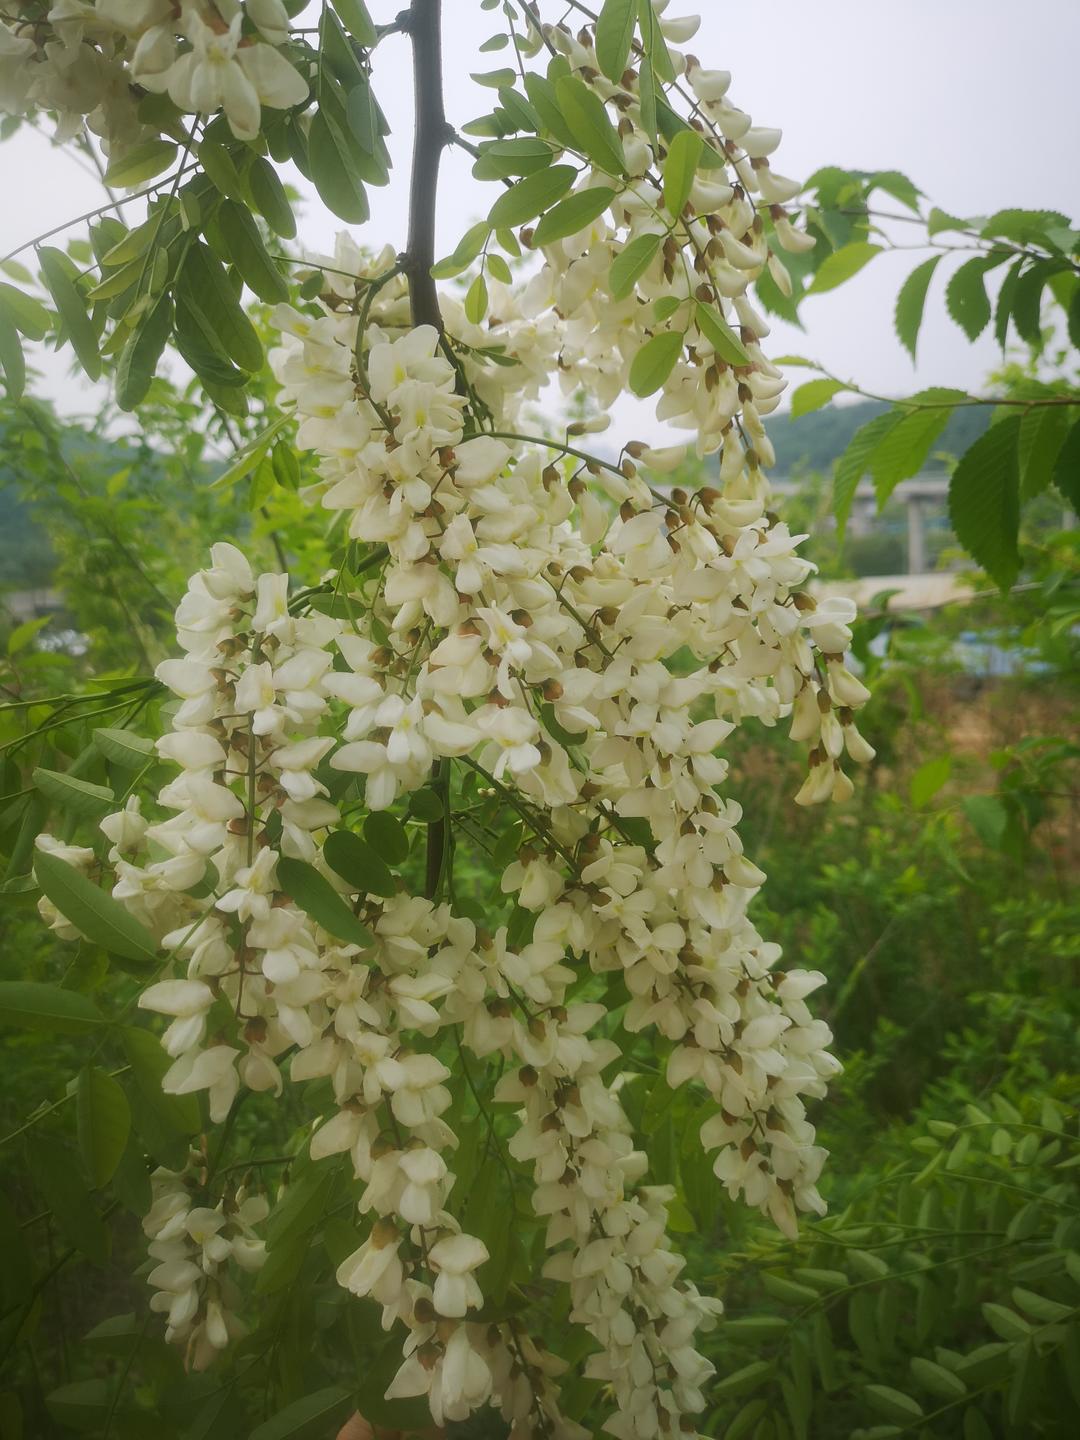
[423, 22]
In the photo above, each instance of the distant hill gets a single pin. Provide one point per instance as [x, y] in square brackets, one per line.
[813, 442]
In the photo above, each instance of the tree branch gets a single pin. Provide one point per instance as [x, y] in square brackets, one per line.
[423, 23]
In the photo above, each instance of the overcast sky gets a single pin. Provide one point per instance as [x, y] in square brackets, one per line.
[975, 100]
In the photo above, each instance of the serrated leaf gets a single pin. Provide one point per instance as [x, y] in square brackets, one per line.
[72, 309]
[80, 797]
[1042, 433]
[896, 184]
[614, 36]
[358, 862]
[590, 125]
[720, 335]
[854, 463]
[1004, 303]
[841, 265]
[575, 213]
[1027, 300]
[34, 1006]
[1067, 468]
[97, 915]
[965, 296]
[655, 361]
[102, 1121]
[984, 501]
[680, 167]
[902, 452]
[813, 395]
[911, 302]
[528, 197]
[631, 263]
[317, 897]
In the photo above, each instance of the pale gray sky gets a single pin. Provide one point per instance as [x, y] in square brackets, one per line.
[975, 100]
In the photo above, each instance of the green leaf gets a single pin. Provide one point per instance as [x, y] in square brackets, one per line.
[989, 818]
[575, 213]
[984, 501]
[246, 459]
[1042, 433]
[653, 42]
[911, 302]
[655, 361]
[103, 1121]
[56, 272]
[270, 198]
[1067, 468]
[528, 197]
[11, 358]
[249, 254]
[893, 1404]
[720, 335]
[542, 96]
[468, 247]
[311, 1418]
[813, 395]
[318, 898]
[902, 452]
[1027, 300]
[80, 797]
[206, 285]
[220, 168]
[647, 100]
[631, 263]
[46, 1007]
[170, 1115]
[841, 265]
[387, 836]
[854, 463]
[357, 862]
[25, 313]
[124, 747]
[680, 167]
[426, 805]
[897, 185]
[139, 357]
[937, 1379]
[56, 1174]
[504, 158]
[333, 174]
[141, 163]
[354, 16]
[498, 269]
[965, 296]
[476, 300]
[590, 124]
[929, 779]
[614, 36]
[100, 918]
[749, 1377]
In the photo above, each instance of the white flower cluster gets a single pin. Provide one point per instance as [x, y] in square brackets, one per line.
[192, 1247]
[586, 641]
[88, 60]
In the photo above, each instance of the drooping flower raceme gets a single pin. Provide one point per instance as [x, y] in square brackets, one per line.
[584, 637]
